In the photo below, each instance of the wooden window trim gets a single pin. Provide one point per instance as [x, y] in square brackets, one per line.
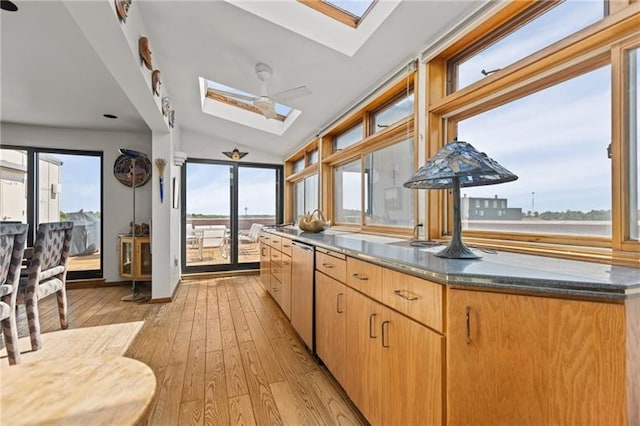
[494, 35]
[586, 49]
[336, 13]
[225, 100]
[307, 171]
[619, 148]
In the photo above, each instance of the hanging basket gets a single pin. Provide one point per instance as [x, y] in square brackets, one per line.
[314, 222]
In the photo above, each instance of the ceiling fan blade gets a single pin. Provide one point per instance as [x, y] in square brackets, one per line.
[233, 95]
[270, 113]
[291, 93]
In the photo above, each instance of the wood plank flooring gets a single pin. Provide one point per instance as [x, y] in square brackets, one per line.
[223, 353]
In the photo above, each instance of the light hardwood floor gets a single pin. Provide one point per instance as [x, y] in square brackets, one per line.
[223, 354]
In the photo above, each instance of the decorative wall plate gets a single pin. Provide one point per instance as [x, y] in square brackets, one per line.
[122, 170]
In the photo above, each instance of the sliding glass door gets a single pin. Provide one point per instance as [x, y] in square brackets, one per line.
[45, 185]
[224, 206]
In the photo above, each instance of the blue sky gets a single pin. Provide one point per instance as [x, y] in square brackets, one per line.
[208, 190]
[80, 183]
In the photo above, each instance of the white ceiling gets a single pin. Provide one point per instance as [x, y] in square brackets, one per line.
[51, 75]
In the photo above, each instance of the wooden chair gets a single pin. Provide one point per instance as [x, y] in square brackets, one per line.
[47, 275]
[13, 239]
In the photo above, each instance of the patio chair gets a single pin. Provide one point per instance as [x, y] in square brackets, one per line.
[250, 237]
[13, 238]
[215, 237]
[47, 275]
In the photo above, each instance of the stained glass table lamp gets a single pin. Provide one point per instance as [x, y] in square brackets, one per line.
[456, 165]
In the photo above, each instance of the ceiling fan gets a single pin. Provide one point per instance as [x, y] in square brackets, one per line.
[265, 103]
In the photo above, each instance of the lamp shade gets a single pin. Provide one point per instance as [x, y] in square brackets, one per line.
[459, 159]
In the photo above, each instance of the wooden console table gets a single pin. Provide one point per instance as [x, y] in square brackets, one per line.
[95, 390]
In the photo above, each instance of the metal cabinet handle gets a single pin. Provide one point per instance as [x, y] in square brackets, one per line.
[285, 262]
[372, 326]
[275, 256]
[468, 319]
[327, 265]
[385, 344]
[339, 303]
[405, 295]
[286, 245]
[263, 249]
[360, 277]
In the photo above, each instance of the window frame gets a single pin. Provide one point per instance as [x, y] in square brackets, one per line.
[336, 12]
[596, 45]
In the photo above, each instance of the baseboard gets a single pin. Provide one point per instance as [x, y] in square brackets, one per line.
[219, 274]
[87, 283]
[167, 299]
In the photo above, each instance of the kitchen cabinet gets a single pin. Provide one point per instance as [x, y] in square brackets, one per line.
[280, 273]
[331, 305]
[265, 261]
[135, 257]
[518, 359]
[302, 291]
[394, 364]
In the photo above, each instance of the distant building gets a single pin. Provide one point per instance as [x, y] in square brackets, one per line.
[477, 208]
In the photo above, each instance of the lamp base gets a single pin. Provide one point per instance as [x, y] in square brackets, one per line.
[457, 251]
[135, 297]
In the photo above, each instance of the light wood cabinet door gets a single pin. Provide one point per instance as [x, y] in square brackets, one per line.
[285, 295]
[331, 306]
[515, 359]
[412, 365]
[265, 265]
[363, 379]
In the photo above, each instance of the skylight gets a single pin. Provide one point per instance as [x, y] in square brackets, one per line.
[217, 99]
[349, 12]
[360, 19]
[282, 110]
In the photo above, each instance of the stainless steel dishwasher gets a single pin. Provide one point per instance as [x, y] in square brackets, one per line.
[302, 291]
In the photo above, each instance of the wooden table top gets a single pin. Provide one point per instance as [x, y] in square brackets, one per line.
[95, 390]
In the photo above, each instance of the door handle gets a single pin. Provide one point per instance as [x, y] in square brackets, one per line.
[372, 326]
[385, 344]
[339, 303]
[468, 321]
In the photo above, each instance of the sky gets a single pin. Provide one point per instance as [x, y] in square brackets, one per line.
[80, 183]
[208, 190]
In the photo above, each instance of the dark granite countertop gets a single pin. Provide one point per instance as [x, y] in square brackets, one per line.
[497, 269]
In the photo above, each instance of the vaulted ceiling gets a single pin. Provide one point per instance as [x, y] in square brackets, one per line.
[50, 74]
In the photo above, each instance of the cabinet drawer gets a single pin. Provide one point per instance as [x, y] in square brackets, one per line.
[264, 237]
[365, 277]
[285, 246]
[415, 297]
[276, 258]
[332, 264]
[275, 241]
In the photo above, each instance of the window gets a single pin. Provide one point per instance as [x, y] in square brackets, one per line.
[385, 171]
[347, 192]
[223, 203]
[305, 195]
[536, 28]
[633, 72]
[348, 138]
[312, 157]
[47, 185]
[392, 113]
[298, 165]
[349, 12]
[567, 171]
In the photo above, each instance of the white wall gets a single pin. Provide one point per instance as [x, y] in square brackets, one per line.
[198, 145]
[117, 198]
